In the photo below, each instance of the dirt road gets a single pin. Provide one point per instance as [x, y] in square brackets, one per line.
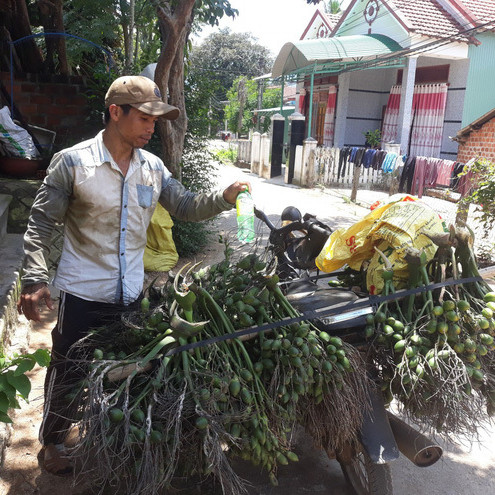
[466, 468]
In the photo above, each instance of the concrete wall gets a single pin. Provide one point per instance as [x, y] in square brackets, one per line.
[368, 93]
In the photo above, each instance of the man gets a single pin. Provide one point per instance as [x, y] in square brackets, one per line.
[104, 190]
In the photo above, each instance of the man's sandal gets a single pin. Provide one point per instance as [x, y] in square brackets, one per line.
[56, 460]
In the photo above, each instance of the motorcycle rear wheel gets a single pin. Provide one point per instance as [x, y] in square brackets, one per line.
[367, 478]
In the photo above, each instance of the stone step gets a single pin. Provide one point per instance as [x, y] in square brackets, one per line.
[5, 200]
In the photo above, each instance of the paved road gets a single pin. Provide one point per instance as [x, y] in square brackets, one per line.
[466, 468]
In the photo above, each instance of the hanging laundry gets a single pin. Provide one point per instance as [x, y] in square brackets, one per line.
[358, 159]
[378, 159]
[354, 151]
[344, 155]
[467, 181]
[407, 175]
[431, 171]
[445, 173]
[388, 164]
[369, 154]
[418, 182]
[454, 180]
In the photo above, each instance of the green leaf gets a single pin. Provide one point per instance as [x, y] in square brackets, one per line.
[14, 403]
[27, 364]
[21, 383]
[5, 386]
[2, 362]
[4, 418]
[4, 402]
[42, 357]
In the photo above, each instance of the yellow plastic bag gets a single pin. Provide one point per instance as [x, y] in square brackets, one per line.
[160, 254]
[392, 227]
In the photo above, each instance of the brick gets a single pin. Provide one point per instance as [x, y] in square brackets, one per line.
[73, 122]
[79, 100]
[70, 90]
[28, 87]
[28, 108]
[38, 119]
[64, 100]
[40, 99]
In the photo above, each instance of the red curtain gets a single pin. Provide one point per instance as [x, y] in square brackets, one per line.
[391, 117]
[329, 125]
[429, 102]
[428, 111]
[301, 102]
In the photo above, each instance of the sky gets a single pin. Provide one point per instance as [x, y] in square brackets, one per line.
[273, 22]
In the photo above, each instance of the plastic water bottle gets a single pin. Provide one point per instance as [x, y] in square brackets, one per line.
[245, 217]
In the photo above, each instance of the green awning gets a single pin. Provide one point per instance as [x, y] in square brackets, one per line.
[322, 51]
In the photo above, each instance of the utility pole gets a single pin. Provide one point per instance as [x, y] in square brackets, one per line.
[241, 94]
[261, 87]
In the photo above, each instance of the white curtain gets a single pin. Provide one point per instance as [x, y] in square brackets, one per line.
[429, 102]
[391, 117]
[329, 125]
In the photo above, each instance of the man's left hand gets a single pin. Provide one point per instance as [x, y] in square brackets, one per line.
[230, 194]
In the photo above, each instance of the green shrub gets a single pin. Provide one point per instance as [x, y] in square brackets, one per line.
[198, 175]
[14, 383]
[483, 197]
[226, 155]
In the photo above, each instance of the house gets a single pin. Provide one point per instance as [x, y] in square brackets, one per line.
[477, 139]
[417, 70]
[321, 25]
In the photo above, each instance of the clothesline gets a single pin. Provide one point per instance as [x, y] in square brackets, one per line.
[414, 173]
[420, 172]
[366, 157]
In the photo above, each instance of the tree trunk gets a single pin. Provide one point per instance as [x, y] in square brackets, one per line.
[52, 18]
[18, 24]
[169, 75]
[61, 45]
[127, 23]
[130, 54]
[5, 39]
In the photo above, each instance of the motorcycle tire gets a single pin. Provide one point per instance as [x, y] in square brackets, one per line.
[367, 478]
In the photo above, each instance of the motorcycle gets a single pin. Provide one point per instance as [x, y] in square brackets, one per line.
[341, 312]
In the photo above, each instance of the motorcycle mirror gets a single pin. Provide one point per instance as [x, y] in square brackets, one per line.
[291, 214]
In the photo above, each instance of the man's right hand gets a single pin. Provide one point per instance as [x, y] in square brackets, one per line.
[31, 298]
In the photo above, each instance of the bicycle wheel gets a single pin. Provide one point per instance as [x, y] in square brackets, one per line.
[367, 478]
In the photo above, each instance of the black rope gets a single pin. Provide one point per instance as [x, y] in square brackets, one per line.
[371, 301]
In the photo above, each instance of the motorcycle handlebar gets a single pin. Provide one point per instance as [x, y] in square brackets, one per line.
[309, 224]
[262, 216]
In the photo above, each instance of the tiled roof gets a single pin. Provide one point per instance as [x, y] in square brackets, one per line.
[473, 126]
[429, 18]
[483, 10]
[332, 18]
